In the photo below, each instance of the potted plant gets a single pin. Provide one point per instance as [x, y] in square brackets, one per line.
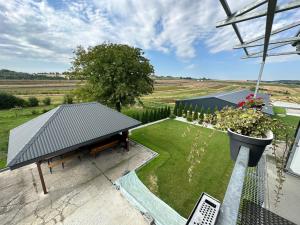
[247, 126]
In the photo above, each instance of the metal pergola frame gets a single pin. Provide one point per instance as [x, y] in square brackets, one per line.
[246, 14]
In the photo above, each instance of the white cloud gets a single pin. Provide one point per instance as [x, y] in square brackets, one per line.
[50, 30]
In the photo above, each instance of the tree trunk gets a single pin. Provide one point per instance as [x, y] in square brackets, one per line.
[118, 106]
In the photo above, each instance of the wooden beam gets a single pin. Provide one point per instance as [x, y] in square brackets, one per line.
[41, 177]
[125, 139]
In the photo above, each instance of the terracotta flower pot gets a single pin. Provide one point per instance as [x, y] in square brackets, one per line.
[256, 145]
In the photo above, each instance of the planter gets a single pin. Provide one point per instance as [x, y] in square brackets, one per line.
[256, 145]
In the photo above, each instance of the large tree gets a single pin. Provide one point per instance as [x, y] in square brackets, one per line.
[115, 74]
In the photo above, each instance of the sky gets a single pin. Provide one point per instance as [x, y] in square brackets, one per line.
[178, 36]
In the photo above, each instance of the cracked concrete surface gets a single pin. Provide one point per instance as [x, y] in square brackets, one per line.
[82, 193]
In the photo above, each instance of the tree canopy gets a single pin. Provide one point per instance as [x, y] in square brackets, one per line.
[115, 74]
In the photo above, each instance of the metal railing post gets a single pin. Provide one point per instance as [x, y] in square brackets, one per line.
[228, 214]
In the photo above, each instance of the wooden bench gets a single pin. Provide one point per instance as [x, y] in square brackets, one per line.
[95, 150]
[63, 159]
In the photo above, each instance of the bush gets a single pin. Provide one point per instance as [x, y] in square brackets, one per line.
[191, 111]
[201, 117]
[208, 111]
[180, 109]
[68, 99]
[47, 101]
[175, 110]
[189, 118]
[8, 101]
[196, 113]
[34, 112]
[216, 109]
[45, 110]
[32, 101]
[172, 116]
[185, 110]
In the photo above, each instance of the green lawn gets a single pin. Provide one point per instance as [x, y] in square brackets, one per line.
[9, 120]
[290, 121]
[167, 175]
[279, 110]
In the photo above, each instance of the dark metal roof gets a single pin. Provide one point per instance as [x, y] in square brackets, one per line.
[236, 96]
[64, 129]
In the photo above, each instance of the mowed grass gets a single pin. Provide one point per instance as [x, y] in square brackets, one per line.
[167, 175]
[290, 121]
[10, 119]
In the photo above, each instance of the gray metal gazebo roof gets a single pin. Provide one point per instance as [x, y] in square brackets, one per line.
[63, 129]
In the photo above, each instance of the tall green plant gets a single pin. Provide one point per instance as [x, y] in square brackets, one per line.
[208, 111]
[168, 111]
[191, 110]
[180, 109]
[201, 117]
[196, 113]
[216, 109]
[185, 109]
[175, 110]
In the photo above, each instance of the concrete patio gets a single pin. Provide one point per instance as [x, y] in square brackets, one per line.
[289, 204]
[81, 193]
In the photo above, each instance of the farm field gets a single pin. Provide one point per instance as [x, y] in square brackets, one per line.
[165, 91]
[167, 175]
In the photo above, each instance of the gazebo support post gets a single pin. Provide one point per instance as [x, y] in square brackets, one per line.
[125, 139]
[41, 176]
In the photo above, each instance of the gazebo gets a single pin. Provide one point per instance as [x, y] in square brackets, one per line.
[64, 129]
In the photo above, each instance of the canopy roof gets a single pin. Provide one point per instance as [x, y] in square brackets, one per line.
[63, 129]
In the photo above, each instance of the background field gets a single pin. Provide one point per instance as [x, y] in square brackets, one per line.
[165, 92]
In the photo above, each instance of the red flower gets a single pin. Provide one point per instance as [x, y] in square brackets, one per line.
[241, 104]
[249, 96]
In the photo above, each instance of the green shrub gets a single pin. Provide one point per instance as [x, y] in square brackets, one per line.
[180, 109]
[32, 101]
[189, 118]
[175, 110]
[216, 109]
[68, 99]
[147, 118]
[47, 101]
[8, 101]
[201, 117]
[196, 113]
[191, 111]
[172, 116]
[34, 112]
[185, 109]
[208, 111]
[45, 110]
[168, 111]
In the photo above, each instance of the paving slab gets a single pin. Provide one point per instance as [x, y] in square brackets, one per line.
[81, 193]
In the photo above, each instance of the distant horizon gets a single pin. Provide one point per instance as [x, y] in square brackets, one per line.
[173, 76]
